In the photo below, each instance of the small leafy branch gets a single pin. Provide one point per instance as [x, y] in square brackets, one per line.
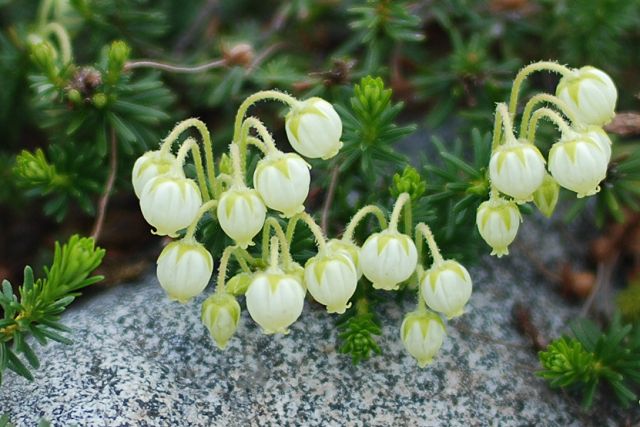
[36, 312]
[592, 357]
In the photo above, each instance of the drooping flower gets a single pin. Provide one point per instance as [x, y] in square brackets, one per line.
[283, 182]
[388, 258]
[590, 94]
[241, 213]
[170, 203]
[221, 315]
[498, 221]
[184, 269]
[422, 334]
[153, 164]
[275, 300]
[314, 129]
[517, 169]
[600, 137]
[446, 288]
[349, 249]
[331, 279]
[578, 163]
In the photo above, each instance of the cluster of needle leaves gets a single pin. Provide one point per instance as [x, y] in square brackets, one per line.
[593, 358]
[91, 114]
[35, 311]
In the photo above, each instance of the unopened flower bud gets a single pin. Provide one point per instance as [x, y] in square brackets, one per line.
[446, 288]
[388, 258]
[349, 249]
[241, 213]
[153, 164]
[422, 333]
[517, 169]
[283, 182]
[591, 95]
[314, 129]
[331, 279]
[546, 196]
[275, 300]
[221, 314]
[498, 221]
[170, 203]
[184, 269]
[578, 163]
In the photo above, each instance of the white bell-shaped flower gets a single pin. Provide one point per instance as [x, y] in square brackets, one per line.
[184, 269]
[241, 213]
[221, 315]
[591, 95]
[600, 137]
[422, 334]
[153, 164]
[331, 279]
[388, 258]
[578, 163]
[446, 287]
[283, 182]
[170, 203]
[517, 169]
[314, 129]
[275, 300]
[498, 221]
[349, 249]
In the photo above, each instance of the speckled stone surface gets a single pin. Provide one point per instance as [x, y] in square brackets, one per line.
[140, 360]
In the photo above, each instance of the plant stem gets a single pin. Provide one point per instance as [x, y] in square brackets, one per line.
[43, 11]
[191, 144]
[497, 131]
[206, 140]
[238, 175]
[524, 73]
[397, 209]
[63, 39]
[255, 123]
[422, 305]
[222, 269]
[537, 99]
[359, 216]
[507, 123]
[424, 229]
[551, 115]
[270, 223]
[315, 229]
[273, 252]
[256, 142]
[104, 199]
[210, 205]
[259, 96]
[143, 63]
[324, 221]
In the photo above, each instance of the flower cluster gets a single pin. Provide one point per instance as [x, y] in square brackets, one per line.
[584, 102]
[273, 284]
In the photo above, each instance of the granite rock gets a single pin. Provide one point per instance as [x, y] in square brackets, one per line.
[140, 360]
